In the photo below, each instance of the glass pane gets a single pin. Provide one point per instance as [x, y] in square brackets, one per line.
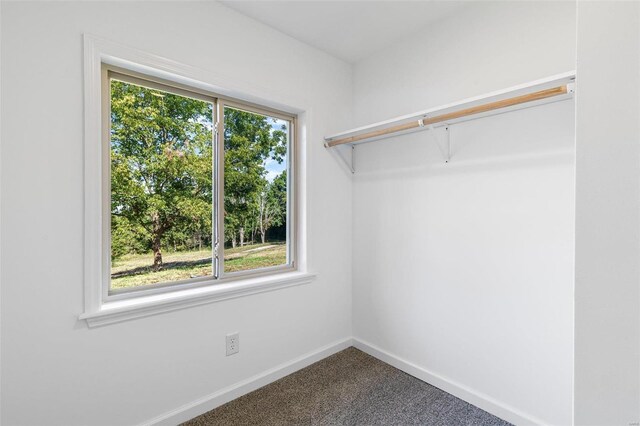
[161, 192]
[255, 190]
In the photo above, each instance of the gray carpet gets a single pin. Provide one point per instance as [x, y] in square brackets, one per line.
[348, 388]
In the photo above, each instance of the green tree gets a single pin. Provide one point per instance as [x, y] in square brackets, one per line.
[272, 204]
[161, 167]
[249, 139]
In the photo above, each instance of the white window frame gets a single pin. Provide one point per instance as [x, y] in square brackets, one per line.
[292, 142]
[103, 307]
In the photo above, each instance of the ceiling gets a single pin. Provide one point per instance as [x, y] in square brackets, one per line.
[349, 30]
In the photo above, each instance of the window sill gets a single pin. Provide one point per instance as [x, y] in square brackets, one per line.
[144, 306]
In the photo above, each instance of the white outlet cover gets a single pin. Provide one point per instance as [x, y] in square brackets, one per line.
[233, 343]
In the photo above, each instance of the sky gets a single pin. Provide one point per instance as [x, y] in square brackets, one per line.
[272, 166]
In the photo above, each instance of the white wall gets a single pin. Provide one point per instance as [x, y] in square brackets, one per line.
[465, 270]
[607, 323]
[55, 371]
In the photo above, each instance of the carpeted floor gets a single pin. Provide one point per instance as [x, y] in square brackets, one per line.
[348, 388]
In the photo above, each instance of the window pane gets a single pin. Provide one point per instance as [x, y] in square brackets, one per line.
[255, 190]
[161, 186]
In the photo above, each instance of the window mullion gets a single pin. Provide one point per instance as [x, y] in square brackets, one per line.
[214, 197]
[219, 192]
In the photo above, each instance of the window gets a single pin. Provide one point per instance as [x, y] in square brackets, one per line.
[199, 189]
[256, 195]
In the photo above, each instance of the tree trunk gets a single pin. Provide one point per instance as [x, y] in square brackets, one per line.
[261, 220]
[241, 236]
[157, 252]
[156, 242]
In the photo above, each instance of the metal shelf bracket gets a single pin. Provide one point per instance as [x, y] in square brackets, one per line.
[443, 141]
[350, 163]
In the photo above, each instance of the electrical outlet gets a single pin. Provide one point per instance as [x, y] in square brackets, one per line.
[233, 343]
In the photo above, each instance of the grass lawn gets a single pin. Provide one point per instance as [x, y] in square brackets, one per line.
[136, 269]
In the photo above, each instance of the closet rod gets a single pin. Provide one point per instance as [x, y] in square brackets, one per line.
[504, 103]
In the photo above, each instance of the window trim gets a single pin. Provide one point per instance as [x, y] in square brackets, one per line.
[219, 104]
[143, 301]
[158, 303]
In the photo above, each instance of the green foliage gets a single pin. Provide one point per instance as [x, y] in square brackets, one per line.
[277, 198]
[161, 156]
[249, 140]
[127, 237]
[272, 204]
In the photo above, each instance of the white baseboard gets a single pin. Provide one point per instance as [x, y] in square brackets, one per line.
[216, 399]
[478, 399]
